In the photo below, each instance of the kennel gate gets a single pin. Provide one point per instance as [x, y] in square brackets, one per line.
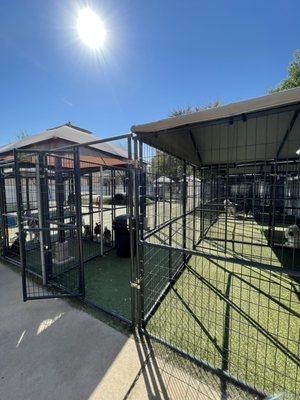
[51, 195]
[49, 221]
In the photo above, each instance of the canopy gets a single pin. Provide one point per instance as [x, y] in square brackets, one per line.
[262, 128]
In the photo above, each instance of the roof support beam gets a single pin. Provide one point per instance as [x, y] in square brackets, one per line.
[195, 146]
[288, 131]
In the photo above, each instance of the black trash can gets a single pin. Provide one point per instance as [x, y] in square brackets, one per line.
[122, 235]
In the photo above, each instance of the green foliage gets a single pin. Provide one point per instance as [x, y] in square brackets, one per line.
[22, 135]
[163, 164]
[166, 165]
[190, 110]
[293, 78]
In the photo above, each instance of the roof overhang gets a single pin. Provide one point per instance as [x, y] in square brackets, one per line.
[263, 128]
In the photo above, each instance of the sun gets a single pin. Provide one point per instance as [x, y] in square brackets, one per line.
[90, 28]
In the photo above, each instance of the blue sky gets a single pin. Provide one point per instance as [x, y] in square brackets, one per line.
[159, 55]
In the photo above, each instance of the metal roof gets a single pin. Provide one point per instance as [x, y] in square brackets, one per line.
[70, 133]
[269, 101]
[262, 128]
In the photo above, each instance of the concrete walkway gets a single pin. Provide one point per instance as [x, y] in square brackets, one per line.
[51, 350]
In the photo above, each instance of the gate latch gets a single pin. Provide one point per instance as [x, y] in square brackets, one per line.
[136, 284]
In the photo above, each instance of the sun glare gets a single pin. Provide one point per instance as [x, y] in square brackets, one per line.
[90, 28]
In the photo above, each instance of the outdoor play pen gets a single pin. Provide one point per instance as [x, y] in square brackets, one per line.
[213, 205]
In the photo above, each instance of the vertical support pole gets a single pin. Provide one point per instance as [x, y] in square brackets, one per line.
[3, 218]
[20, 212]
[38, 168]
[155, 200]
[271, 230]
[111, 186]
[78, 225]
[202, 202]
[184, 195]
[27, 194]
[43, 212]
[59, 196]
[137, 234]
[170, 232]
[226, 209]
[138, 151]
[91, 209]
[133, 236]
[101, 210]
[194, 208]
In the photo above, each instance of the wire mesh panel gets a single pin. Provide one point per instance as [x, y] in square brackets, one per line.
[49, 221]
[9, 224]
[220, 264]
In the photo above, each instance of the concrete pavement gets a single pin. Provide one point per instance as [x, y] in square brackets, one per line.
[51, 350]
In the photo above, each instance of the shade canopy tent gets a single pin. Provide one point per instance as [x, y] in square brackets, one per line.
[263, 128]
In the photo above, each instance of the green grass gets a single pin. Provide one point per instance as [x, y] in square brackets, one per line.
[107, 278]
[107, 283]
[224, 312]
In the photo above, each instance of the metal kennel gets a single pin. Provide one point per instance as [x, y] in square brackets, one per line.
[220, 264]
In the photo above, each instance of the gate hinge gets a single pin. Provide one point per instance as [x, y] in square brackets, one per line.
[136, 284]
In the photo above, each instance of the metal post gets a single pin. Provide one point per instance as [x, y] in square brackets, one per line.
[184, 193]
[91, 210]
[27, 194]
[194, 208]
[133, 272]
[3, 218]
[39, 189]
[101, 210]
[59, 196]
[20, 212]
[155, 201]
[43, 211]
[79, 219]
[271, 231]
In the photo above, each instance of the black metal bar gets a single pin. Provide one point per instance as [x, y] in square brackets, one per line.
[91, 207]
[59, 194]
[3, 218]
[27, 194]
[44, 215]
[163, 225]
[194, 207]
[239, 261]
[288, 131]
[79, 220]
[20, 212]
[133, 272]
[195, 146]
[184, 203]
[138, 231]
[93, 142]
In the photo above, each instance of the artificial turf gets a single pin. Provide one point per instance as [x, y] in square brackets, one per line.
[107, 283]
[226, 312]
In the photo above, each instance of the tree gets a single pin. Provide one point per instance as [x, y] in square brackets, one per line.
[163, 164]
[21, 135]
[293, 78]
[190, 110]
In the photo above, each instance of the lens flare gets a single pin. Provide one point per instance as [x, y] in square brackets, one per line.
[90, 28]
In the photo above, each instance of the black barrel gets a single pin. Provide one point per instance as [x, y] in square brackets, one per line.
[122, 235]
